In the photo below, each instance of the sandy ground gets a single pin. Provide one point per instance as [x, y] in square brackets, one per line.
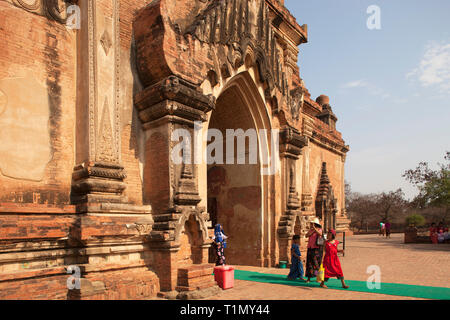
[417, 264]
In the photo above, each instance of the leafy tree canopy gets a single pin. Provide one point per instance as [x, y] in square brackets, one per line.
[433, 185]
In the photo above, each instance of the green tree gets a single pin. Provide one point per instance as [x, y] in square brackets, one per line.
[433, 185]
[416, 220]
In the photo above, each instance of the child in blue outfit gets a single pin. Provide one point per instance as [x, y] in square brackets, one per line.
[296, 263]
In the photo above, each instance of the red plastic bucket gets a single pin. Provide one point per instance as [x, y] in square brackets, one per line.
[224, 276]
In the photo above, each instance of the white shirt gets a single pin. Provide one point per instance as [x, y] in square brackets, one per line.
[222, 234]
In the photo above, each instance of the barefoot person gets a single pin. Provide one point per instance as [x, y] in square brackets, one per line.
[314, 253]
[219, 243]
[331, 261]
[296, 263]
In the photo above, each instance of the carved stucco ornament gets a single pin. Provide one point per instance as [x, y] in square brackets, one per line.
[106, 41]
[105, 147]
[296, 102]
[53, 9]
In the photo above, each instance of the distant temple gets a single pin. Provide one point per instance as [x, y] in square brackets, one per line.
[89, 190]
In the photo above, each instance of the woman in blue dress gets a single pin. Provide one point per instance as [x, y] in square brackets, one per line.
[219, 243]
[296, 262]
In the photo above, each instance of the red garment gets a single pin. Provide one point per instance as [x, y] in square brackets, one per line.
[331, 261]
[433, 235]
[312, 241]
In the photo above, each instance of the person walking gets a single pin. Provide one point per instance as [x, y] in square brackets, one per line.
[331, 262]
[220, 244]
[296, 262]
[387, 227]
[381, 229]
[315, 248]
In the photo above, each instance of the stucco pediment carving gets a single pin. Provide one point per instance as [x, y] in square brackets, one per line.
[296, 102]
[225, 34]
[53, 9]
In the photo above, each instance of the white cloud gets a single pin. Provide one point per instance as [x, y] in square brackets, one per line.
[400, 100]
[355, 84]
[371, 89]
[434, 68]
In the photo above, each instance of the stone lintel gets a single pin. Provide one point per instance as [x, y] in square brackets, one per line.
[292, 142]
[173, 96]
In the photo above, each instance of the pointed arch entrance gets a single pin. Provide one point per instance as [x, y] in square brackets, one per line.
[236, 188]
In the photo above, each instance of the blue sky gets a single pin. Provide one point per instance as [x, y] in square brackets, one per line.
[390, 88]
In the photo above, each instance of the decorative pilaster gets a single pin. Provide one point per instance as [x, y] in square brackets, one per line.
[107, 227]
[165, 107]
[98, 177]
[172, 188]
[291, 144]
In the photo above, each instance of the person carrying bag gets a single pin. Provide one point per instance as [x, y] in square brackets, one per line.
[314, 253]
[331, 264]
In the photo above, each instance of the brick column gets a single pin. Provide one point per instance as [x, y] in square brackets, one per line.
[98, 176]
[290, 149]
[109, 231]
[172, 188]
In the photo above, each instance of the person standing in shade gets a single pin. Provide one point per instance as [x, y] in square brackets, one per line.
[440, 232]
[220, 244]
[387, 227]
[433, 233]
[296, 262]
[331, 262]
[314, 253]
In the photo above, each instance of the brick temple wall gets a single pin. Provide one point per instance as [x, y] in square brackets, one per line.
[42, 233]
[37, 107]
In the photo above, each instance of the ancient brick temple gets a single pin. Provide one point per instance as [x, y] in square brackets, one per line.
[88, 185]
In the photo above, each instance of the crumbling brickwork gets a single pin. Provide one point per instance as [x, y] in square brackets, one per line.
[87, 117]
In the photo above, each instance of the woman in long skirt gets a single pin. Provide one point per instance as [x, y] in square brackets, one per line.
[314, 253]
[331, 262]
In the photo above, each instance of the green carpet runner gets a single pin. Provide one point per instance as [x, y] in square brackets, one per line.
[395, 289]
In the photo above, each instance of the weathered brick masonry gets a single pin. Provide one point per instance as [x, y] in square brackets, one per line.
[87, 180]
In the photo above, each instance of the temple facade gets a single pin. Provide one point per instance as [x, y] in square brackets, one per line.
[93, 97]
